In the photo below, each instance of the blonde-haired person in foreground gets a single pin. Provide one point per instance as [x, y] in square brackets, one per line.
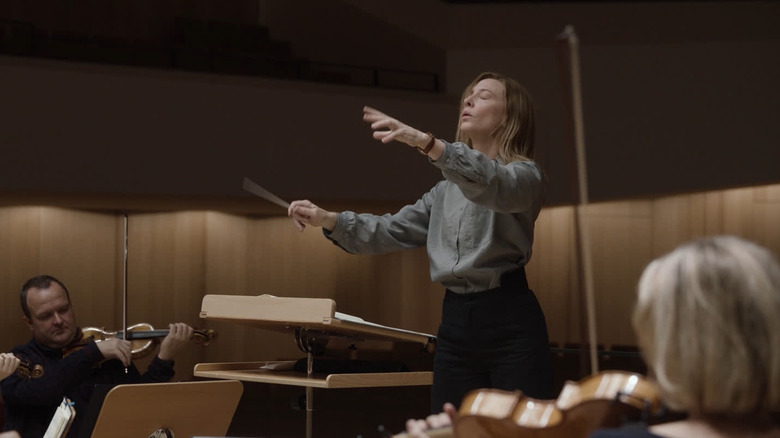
[708, 324]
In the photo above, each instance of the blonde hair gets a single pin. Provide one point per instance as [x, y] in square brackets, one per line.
[516, 133]
[708, 323]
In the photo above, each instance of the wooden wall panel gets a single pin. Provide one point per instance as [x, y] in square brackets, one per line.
[79, 248]
[621, 242]
[240, 262]
[712, 217]
[19, 255]
[679, 218]
[621, 245]
[767, 216]
[552, 273]
[83, 250]
[625, 237]
[226, 273]
[738, 207]
[175, 258]
[165, 275]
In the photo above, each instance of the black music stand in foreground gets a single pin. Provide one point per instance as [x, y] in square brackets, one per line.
[187, 409]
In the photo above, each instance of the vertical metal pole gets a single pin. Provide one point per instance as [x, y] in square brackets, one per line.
[309, 395]
[124, 286]
[579, 136]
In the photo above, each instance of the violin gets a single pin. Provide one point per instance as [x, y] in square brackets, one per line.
[143, 337]
[27, 370]
[602, 400]
[605, 399]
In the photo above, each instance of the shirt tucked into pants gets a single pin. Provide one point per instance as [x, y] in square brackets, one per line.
[492, 339]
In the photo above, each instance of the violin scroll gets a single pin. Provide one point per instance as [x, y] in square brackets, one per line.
[203, 337]
[28, 370]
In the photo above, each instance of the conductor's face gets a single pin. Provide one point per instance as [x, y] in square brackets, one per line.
[51, 320]
[484, 108]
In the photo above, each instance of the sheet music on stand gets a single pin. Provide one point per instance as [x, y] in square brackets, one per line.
[358, 320]
[308, 320]
[62, 420]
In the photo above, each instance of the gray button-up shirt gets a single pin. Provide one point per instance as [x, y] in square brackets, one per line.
[477, 223]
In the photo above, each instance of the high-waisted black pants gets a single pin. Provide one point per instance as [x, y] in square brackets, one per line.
[492, 339]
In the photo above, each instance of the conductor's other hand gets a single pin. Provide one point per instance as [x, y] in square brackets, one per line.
[116, 348]
[388, 129]
[179, 334]
[305, 212]
[8, 364]
[417, 428]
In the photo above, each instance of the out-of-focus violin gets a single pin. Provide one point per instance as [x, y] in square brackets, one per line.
[28, 370]
[605, 399]
[143, 337]
[601, 400]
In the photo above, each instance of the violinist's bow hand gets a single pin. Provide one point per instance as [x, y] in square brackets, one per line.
[116, 348]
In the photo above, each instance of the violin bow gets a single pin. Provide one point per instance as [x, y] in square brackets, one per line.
[582, 236]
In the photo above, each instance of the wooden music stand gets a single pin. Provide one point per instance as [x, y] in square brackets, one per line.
[308, 320]
[185, 408]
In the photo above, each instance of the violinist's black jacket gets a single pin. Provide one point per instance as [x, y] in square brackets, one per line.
[30, 403]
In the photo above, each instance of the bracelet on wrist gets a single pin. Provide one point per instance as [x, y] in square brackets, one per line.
[429, 146]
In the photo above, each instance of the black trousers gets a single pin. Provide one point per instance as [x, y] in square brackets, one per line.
[492, 339]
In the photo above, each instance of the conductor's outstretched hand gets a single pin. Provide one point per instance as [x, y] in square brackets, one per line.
[387, 129]
[306, 212]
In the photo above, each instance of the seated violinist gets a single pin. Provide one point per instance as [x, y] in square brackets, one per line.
[30, 403]
[707, 324]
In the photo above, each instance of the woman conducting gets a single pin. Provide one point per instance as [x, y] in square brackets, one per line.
[478, 227]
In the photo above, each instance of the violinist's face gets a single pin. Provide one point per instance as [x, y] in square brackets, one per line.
[52, 320]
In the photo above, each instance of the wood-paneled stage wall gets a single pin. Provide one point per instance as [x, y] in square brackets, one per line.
[174, 258]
